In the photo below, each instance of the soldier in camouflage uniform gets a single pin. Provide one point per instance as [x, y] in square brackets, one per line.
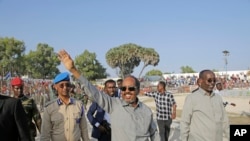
[76, 95]
[29, 106]
[79, 95]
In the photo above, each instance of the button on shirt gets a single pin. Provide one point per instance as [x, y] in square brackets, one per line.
[203, 117]
[128, 123]
[64, 122]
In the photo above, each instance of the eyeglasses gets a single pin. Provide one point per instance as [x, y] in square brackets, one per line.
[129, 88]
[62, 85]
[211, 80]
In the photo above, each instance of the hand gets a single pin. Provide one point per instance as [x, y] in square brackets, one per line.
[173, 116]
[233, 104]
[102, 129]
[65, 58]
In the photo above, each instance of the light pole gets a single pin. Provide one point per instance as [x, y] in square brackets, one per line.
[226, 54]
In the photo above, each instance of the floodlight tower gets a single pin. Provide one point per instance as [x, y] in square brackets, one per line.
[226, 54]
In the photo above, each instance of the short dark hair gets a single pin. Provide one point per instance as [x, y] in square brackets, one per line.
[202, 73]
[119, 80]
[163, 83]
[109, 81]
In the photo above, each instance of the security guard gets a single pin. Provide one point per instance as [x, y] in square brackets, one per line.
[29, 106]
[64, 118]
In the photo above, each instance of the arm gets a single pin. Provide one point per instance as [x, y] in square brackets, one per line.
[90, 114]
[225, 122]
[46, 126]
[154, 134]
[36, 116]
[173, 116]
[186, 119]
[21, 122]
[150, 94]
[103, 100]
[174, 111]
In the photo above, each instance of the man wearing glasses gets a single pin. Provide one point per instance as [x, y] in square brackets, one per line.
[64, 118]
[131, 119]
[204, 117]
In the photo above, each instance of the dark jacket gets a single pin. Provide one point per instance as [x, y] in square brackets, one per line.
[13, 122]
[32, 113]
[94, 119]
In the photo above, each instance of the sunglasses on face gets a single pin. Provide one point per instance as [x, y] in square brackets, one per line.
[62, 85]
[129, 88]
[211, 80]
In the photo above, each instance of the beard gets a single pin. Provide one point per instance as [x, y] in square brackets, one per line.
[128, 98]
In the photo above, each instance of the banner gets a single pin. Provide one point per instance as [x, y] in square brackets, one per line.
[7, 76]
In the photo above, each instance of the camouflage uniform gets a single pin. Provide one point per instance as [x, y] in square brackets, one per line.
[78, 97]
[82, 98]
[85, 101]
[32, 112]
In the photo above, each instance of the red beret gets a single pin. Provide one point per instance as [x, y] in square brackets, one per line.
[17, 82]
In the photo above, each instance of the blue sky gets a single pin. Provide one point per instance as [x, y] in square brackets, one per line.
[183, 32]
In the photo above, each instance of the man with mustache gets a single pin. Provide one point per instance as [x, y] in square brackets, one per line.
[131, 119]
[204, 117]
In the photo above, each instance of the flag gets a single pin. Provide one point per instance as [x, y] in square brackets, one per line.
[7, 76]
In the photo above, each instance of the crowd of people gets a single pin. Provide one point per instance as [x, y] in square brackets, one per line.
[116, 113]
[230, 81]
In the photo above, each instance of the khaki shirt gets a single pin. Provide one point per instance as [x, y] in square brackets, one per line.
[203, 117]
[64, 122]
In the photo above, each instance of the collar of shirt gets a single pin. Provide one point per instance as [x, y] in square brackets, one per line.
[60, 102]
[127, 104]
[206, 93]
[162, 93]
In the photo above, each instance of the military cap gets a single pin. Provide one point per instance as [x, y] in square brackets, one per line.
[61, 77]
[16, 81]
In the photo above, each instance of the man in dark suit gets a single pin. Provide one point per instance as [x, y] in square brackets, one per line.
[13, 122]
[119, 85]
[101, 120]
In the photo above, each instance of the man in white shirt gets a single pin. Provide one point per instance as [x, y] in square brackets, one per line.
[219, 90]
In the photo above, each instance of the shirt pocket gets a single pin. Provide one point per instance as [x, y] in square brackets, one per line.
[57, 123]
[77, 117]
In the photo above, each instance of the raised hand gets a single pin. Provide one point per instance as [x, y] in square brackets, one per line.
[68, 62]
[65, 58]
